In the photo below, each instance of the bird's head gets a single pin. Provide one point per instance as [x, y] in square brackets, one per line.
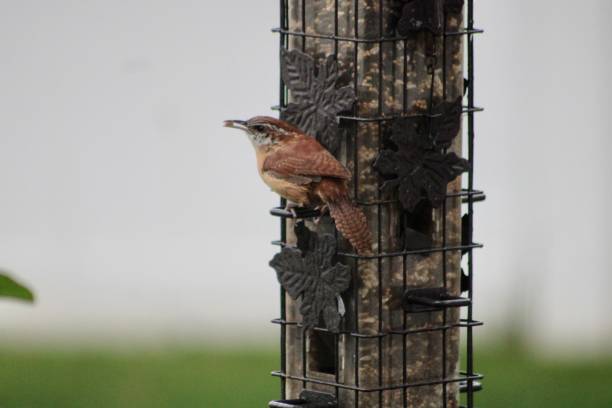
[264, 131]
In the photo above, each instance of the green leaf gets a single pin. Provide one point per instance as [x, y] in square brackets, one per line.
[12, 289]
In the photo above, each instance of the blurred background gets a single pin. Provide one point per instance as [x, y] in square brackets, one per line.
[142, 225]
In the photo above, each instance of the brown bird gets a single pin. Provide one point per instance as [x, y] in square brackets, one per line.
[298, 168]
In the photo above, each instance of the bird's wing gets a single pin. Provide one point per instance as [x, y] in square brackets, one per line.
[305, 158]
[295, 179]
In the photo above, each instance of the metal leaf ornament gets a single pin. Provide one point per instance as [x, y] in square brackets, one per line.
[438, 129]
[418, 168]
[423, 15]
[316, 100]
[307, 272]
[446, 123]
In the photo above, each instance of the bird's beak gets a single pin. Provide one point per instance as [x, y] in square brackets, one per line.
[237, 124]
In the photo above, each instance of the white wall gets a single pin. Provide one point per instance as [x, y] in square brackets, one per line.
[544, 76]
[134, 214]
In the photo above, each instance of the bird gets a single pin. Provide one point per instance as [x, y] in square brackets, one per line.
[298, 168]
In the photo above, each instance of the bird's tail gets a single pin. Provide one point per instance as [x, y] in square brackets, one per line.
[352, 223]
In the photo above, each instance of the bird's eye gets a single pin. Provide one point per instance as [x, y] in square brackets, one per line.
[258, 128]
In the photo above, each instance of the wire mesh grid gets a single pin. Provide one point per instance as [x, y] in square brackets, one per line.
[467, 379]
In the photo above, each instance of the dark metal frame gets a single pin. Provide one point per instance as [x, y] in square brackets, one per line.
[468, 380]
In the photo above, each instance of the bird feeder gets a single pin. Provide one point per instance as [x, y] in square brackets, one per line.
[382, 84]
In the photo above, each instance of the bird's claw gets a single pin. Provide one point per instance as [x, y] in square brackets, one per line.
[323, 209]
[291, 208]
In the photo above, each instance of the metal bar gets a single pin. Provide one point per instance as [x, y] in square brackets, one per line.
[379, 206]
[404, 338]
[478, 196]
[304, 26]
[356, 39]
[442, 304]
[356, 193]
[390, 117]
[283, 226]
[392, 332]
[463, 386]
[409, 115]
[336, 28]
[336, 336]
[307, 213]
[444, 216]
[460, 378]
[304, 337]
[304, 213]
[304, 357]
[413, 251]
[469, 334]
[405, 257]
[466, 247]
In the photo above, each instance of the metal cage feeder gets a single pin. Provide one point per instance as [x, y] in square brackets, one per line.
[410, 66]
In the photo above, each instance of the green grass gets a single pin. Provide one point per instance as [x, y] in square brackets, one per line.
[168, 379]
[515, 379]
[236, 379]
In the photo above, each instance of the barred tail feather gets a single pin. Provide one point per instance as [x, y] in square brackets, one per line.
[352, 224]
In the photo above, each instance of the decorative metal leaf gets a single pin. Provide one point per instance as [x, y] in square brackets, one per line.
[307, 272]
[439, 130]
[291, 271]
[316, 100]
[446, 125]
[297, 70]
[422, 15]
[419, 168]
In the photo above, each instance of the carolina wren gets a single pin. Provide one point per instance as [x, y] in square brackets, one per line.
[298, 168]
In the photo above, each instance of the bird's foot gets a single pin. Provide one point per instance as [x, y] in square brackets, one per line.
[323, 209]
[291, 206]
